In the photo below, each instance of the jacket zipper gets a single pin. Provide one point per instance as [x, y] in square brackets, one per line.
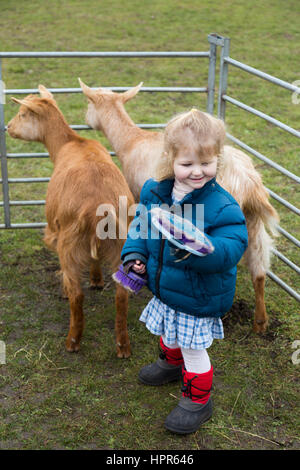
[158, 272]
[161, 253]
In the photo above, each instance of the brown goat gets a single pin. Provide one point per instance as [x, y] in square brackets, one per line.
[84, 177]
[139, 150]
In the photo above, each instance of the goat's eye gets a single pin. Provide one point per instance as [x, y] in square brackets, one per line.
[22, 115]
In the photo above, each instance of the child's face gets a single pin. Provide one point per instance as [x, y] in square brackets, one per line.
[192, 170]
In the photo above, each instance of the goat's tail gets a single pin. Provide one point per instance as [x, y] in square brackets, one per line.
[260, 215]
[259, 252]
[78, 243]
[263, 209]
[109, 237]
[238, 175]
[271, 219]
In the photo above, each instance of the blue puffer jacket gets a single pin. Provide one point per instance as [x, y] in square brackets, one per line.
[200, 286]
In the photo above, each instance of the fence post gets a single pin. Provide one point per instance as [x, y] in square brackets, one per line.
[214, 41]
[223, 78]
[4, 172]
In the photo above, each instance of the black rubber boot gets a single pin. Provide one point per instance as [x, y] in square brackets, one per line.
[160, 372]
[195, 405]
[167, 368]
[188, 416]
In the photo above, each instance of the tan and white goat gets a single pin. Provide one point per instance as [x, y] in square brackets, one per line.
[138, 151]
[84, 177]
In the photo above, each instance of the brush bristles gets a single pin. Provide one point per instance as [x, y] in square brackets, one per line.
[133, 285]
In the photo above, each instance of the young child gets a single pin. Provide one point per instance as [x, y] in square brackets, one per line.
[191, 293]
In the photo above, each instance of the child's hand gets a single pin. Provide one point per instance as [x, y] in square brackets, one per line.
[139, 267]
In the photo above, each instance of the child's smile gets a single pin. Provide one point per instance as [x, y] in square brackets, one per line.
[193, 171]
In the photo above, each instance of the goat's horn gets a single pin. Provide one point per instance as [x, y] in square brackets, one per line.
[127, 95]
[81, 83]
[86, 89]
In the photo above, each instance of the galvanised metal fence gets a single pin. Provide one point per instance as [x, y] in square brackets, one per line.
[214, 41]
[211, 55]
[223, 99]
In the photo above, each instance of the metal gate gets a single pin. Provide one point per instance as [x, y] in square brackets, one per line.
[215, 41]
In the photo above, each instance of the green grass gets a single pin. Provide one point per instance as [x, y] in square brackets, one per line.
[50, 399]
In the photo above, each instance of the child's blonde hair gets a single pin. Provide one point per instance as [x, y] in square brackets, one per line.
[208, 137]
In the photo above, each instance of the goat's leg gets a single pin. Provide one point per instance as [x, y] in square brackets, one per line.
[260, 315]
[50, 240]
[76, 297]
[122, 338]
[96, 277]
[257, 257]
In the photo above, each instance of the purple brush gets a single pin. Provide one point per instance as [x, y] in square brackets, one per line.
[198, 246]
[129, 279]
[181, 237]
[181, 232]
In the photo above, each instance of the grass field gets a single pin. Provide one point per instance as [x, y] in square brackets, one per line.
[50, 399]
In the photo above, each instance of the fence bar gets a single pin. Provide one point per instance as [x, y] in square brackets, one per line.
[106, 54]
[264, 158]
[286, 260]
[265, 76]
[283, 201]
[26, 180]
[142, 126]
[287, 235]
[28, 155]
[211, 73]
[282, 284]
[262, 115]
[36, 155]
[27, 91]
[42, 180]
[4, 172]
[27, 225]
[223, 79]
[84, 127]
[25, 203]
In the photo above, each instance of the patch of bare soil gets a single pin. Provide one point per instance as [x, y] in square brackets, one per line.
[242, 313]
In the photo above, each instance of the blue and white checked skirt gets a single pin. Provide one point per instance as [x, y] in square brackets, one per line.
[189, 331]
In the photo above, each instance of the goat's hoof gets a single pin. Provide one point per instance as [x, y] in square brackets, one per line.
[94, 285]
[72, 345]
[123, 351]
[260, 326]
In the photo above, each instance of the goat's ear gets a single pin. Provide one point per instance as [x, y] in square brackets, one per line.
[28, 103]
[89, 93]
[127, 95]
[44, 92]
